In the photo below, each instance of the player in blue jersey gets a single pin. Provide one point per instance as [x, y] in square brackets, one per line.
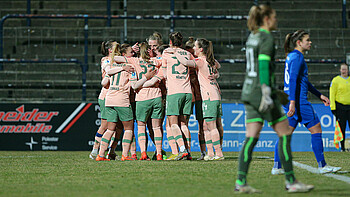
[299, 109]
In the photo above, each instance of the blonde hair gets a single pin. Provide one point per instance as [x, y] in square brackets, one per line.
[156, 36]
[144, 51]
[256, 16]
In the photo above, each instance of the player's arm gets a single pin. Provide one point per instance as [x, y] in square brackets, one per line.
[318, 94]
[183, 60]
[164, 65]
[264, 59]
[138, 84]
[157, 78]
[105, 81]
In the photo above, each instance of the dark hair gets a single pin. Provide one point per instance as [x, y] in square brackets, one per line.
[144, 51]
[105, 46]
[190, 43]
[162, 47]
[156, 36]
[124, 47]
[176, 38]
[256, 16]
[291, 40]
[207, 47]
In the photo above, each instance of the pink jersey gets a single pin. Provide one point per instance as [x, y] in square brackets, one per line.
[209, 88]
[119, 89]
[141, 67]
[104, 63]
[177, 75]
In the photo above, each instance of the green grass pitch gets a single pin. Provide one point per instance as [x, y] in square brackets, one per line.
[74, 174]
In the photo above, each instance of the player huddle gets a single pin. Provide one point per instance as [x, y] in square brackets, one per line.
[177, 77]
[147, 81]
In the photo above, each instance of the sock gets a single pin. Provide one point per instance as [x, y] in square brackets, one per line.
[126, 142]
[97, 142]
[133, 146]
[203, 153]
[172, 142]
[285, 154]
[175, 129]
[277, 163]
[187, 134]
[112, 140]
[142, 137]
[209, 143]
[182, 148]
[215, 137]
[317, 147]
[245, 157]
[105, 142]
[158, 139]
[201, 140]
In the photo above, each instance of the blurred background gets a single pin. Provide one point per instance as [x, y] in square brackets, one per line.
[50, 49]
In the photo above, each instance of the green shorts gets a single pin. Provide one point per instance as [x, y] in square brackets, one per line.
[114, 114]
[273, 116]
[211, 110]
[150, 108]
[103, 110]
[199, 110]
[178, 104]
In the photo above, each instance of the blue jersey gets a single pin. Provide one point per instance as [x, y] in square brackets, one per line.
[296, 82]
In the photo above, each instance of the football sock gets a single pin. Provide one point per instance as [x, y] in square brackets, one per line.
[285, 154]
[277, 162]
[317, 147]
[172, 142]
[158, 139]
[97, 142]
[105, 142]
[187, 134]
[245, 157]
[142, 137]
[182, 148]
[209, 142]
[175, 129]
[126, 142]
[215, 136]
[133, 146]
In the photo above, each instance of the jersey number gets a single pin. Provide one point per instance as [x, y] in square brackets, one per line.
[286, 74]
[117, 81]
[250, 62]
[145, 69]
[174, 71]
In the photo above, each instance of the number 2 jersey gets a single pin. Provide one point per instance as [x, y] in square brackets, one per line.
[177, 74]
[260, 43]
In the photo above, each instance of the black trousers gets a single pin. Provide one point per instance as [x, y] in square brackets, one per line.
[343, 116]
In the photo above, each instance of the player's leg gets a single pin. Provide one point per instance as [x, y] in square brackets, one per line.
[105, 140]
[215, 136]
[126, 116]
[158, 137]
[317, 147]
[112, 155]
[342, 118]
[101, 130]
[172, 142]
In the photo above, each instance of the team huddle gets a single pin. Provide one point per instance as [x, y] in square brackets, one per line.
[147, 81]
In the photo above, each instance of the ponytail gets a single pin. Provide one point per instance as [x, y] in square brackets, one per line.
[208, 50]
[144, 51]
[291, 40]
[176, 39]
[105, 46]
[256, 16]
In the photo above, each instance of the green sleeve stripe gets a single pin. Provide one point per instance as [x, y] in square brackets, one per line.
[264, 73]
[264, 57]
[158, 78]
[126, 60]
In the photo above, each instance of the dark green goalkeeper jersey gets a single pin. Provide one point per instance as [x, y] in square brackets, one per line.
[260, 49]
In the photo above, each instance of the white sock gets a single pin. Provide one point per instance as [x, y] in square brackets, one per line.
[94, 151]
[182, 148]
[203, 152]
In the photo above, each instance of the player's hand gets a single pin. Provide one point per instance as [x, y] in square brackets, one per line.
[128, 68]
[151, 53]
[150, 73]
[266, 101]
[136, 47]
[291, 111]
[325, 100]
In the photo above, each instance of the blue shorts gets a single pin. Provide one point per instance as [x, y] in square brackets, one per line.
[304, 113]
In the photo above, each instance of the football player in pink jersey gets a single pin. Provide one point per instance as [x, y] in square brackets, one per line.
[117, 105]
[179, 94]
[212, 111]
[106, 49]
[148, 100]
[204, 136]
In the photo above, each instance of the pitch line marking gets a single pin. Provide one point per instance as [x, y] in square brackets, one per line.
[345, 179]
